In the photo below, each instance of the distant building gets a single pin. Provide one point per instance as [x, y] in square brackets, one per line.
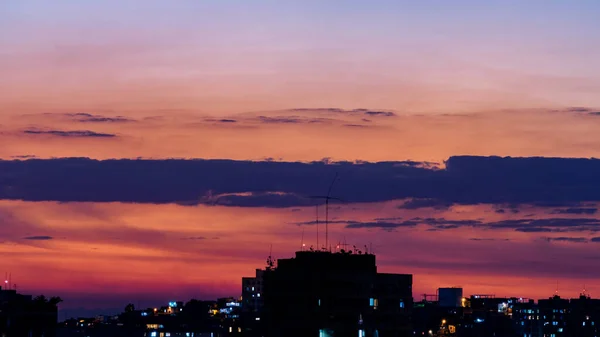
[322, 294]
[584, 317]
[554, 316]
[24, 315]
[526, 316]
[252, 303]
[450, 297]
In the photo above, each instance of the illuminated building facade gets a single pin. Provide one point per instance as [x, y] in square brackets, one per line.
[252, 303]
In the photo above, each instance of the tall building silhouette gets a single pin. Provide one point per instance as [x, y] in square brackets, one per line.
[326, 294]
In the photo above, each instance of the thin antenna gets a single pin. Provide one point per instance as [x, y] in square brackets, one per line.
[302, 241]
[327, 198]
[9, 281]
[317, 225]
[327, 211]
[556, 288]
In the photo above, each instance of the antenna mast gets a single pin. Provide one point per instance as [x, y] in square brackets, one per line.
[327, 211]
[326, 198]
[317, 225]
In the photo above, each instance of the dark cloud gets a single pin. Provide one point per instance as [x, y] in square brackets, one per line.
[38, 237]
[595, 239]
[552, 225]
[500, 211]
[576, 211]
[26, 156]
[222, 120]
[379, 224]
[464, 180]
[548, 225]
[90, 118]
[488, 239]
[425, 203]
[378, 113]
[291, 120]
[194, 238]
[355, 126]
[70, 134]
[584, 110]
[106, 120]
[566, 239]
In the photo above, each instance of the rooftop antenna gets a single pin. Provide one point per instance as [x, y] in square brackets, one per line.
[317, 225]
[302, 241]
[327, 198]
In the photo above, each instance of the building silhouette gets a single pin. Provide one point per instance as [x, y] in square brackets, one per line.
[25, 315]
[322, 293]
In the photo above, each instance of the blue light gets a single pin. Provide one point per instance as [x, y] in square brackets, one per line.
[479, 320]
[173, 304]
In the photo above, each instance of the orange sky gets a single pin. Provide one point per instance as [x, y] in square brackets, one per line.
[312, 135]
[169, 251]
[206, 79]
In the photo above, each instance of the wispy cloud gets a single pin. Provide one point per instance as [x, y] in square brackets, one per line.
[566, 239]
[38, 237]
[70, 134]
[587, 210]
[290, 120]
[366, 112]
[90, 118]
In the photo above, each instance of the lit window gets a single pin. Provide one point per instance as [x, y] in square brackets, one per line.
[252, 288]
[401, 304]
[361, 333]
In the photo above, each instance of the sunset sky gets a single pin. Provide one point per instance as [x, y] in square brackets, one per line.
[405, 100]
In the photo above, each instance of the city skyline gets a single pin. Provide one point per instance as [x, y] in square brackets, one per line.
[417, 106]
